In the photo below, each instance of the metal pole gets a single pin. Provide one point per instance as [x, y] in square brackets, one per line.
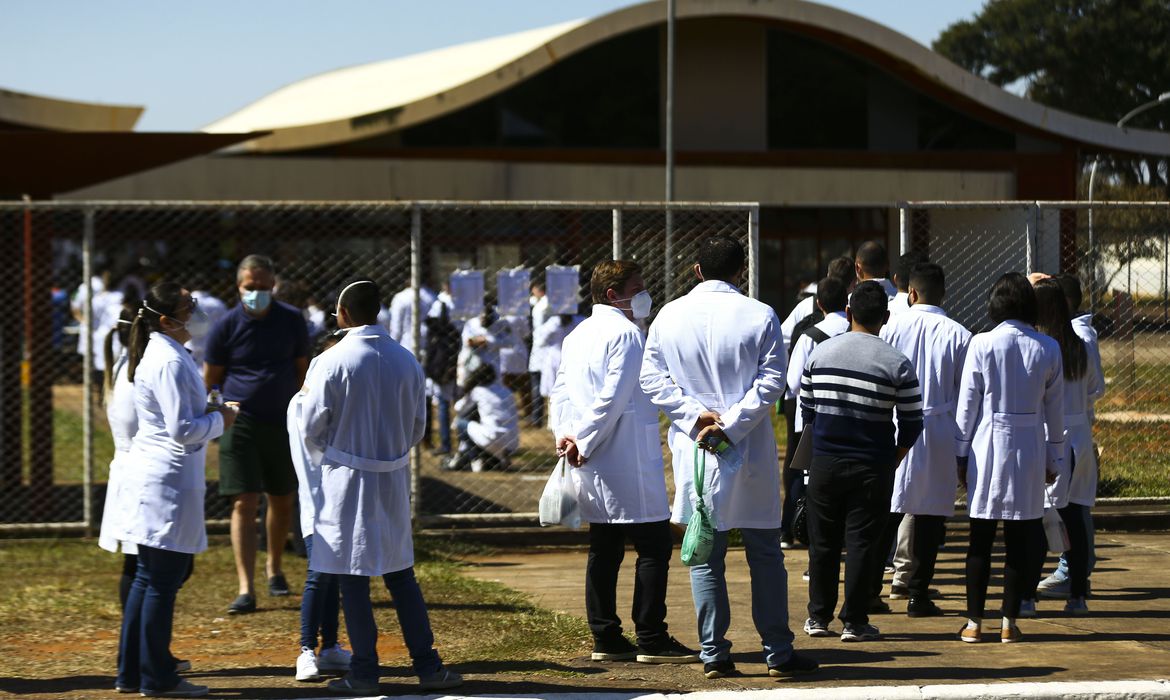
[1092, 242]
[416, 339]
[754, 252]
[668, 272]
[87, 377]
[903, 230]
[1030, 226]
[617, 234]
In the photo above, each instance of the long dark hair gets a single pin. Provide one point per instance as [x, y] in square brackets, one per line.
[1012, 298]
[163, 299]
[1053, 319]
[122, 332]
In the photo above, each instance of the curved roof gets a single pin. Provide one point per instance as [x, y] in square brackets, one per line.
[20, 110]
[380, 98]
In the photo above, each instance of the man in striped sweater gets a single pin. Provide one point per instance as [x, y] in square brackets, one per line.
[851, 386]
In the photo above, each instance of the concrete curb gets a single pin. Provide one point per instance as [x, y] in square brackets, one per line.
[1090, 690]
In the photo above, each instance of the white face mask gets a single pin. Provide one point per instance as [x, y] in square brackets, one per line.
[198, 325]
[640, 304]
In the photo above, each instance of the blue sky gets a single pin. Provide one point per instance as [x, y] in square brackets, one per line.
[191, 63]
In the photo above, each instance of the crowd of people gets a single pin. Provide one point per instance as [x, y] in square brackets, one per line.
[891, 409]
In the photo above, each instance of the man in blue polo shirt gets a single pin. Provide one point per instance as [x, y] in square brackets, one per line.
[258, 353]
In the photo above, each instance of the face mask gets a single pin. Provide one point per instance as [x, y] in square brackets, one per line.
[640, 304]
[256, 300]
[198, 325]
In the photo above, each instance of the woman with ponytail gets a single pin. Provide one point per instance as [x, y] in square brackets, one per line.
[164, 482]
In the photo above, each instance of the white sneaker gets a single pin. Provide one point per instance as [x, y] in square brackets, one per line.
[477, 465]
[307, 666]
[335, 658]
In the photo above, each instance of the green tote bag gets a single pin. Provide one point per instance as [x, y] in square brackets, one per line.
[700, 536]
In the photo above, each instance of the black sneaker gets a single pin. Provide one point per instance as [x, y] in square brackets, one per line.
[669, 651]
[922, 607]
[796, 665]
[617, 649]
[278, 586]
[877, 606]
[244, 603]
[718, 669]
[860, 633]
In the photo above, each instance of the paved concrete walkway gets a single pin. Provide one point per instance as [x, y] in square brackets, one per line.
[1126, 636]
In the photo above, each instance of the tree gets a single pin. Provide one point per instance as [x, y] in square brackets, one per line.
[1096, 58]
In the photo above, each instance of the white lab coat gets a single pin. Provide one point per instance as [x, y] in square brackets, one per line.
[1083, 484]
[716, 349]
[164, 474]
[107, 307]
[598, 399]
[401, 322]
[834, 324]
[539, 316]
[123, 425]
[547, 340]
[1012, 389]
[804, 308]
[900, 303]
[498, 427]
[361, 410]
[888, 287]
[501, 334]
[513, 350]
[925, 482]
[214, 309]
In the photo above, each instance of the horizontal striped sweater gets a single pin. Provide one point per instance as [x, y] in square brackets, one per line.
[851, 386]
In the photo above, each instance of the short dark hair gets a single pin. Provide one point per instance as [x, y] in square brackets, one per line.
[1012, 298]
[361, 300]
[842, 269]
[929, 280]
[832, 294]
[905, 268]
[255, 262]
[1071, 286]
[869, 304]
[611, 274]
[872, 258]
[721, 258]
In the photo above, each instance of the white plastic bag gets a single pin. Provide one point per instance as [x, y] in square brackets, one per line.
[1055, 531]
[558, 503]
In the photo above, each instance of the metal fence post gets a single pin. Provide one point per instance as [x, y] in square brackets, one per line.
[617, 234]
[416, 339]
[754, 252]
[668, 254]
[87, 379]
[903, 229]
[1031, 233]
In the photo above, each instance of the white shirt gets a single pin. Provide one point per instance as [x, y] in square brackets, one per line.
[499, 335]
[498, 427]
[361, 410]
[887, 286]
[1083, 484]
[802, 310]
[833, 324]
[401, 323]
[598, 399]
[716, 349]
[900, 303]
[214, 309]
[925, 482]
[1012, 391]
[165, 464]
[123, 425]
[539, 313]
[107, 307]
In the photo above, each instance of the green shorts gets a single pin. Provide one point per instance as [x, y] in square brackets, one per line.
[254, 457]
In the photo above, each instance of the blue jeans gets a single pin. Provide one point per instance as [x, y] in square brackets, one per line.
[444, 423]
[363, 631]
[769, 597]
[144, 650]
[320, 605]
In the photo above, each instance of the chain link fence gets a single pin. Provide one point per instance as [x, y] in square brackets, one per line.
[75, 264]
[1121, 253]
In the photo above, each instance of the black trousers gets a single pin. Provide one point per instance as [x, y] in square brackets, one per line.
[889, 538]
[929, 533]
[1024, 543]
[848, 504]
[793, 478]
[607, 549]
[1077, 555]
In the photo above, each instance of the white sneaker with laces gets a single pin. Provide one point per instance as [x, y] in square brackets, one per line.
[307, 666]
[335, 658]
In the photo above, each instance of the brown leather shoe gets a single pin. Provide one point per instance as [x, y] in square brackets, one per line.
[1010, 635]
[970, 636]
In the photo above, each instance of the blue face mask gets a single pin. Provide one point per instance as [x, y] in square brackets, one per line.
[256, 300]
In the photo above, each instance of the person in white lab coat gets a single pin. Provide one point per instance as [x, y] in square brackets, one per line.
[714, 363]
[401, 321]
[832, 298]
[486, 423]
[362, 409]
[1083, 485]
[841, 268]
[164, 482]
[1010, 398]
[1052, 319]
[873, 263]
[608, 430]
[925, 483]
[119, 405]
[902, 272]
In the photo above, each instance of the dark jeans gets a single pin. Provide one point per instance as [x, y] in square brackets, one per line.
[886, 542]
[848, 503]
[1077, 555]
[320, 605]
[607, 549]
[444, 423]
[144, 650]
[929, 533]
[793, 478]
[536, 416]
[363, 631]
[1025, 543]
